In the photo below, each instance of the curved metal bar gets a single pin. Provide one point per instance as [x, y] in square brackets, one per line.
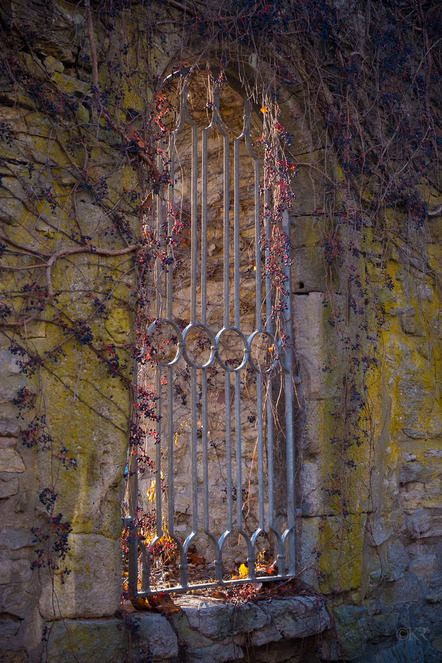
[249, 345]
[280, 552]
[211, 359]
[180, 344]
[244, 360]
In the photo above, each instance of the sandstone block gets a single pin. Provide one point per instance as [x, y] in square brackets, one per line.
[15, 538]
[7, 442]
[423, 523]
[308, 271]
[8, 486]
[219, 652]
[83, 641]
[156, 631]
[394, 560]
[9, 626]
[297, 617]
[8, 656]
[352, 628]
[93, 587]
[313, 345]
[11, 461]
[217, 621]
[14, 570]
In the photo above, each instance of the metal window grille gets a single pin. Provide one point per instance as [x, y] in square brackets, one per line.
[222, 447]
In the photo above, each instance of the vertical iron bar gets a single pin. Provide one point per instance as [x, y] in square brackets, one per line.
[170, 372]
[194, 451]
[228, 452]
[193, 224]
[226, 311]
[205, 441]
[236, 275]
[269, 395]
[288, 398]
[226, 235]
[158, 496]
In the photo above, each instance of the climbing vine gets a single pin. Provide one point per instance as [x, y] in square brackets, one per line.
[82, 138]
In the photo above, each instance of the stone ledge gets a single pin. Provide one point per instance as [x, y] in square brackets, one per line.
[204, 630]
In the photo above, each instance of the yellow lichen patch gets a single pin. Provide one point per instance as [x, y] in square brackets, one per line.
[341, 544]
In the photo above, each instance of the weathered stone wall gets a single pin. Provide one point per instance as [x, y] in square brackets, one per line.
[201, 630]
[367, 534]
[372, 538]
[60, 404]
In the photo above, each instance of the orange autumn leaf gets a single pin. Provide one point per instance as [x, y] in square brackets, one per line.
[163, 603]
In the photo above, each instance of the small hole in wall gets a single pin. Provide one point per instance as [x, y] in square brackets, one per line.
[301, 285]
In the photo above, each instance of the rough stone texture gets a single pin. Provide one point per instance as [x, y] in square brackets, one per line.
[81, 640]
[11, 461]
[204, 630]
[107, 640]
[8, 486]
[378, 561]
[87, 591]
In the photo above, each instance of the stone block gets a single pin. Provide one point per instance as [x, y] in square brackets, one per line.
[18, 598]
[93, 587]
[217, 621]
[220, 653]
[11, 461]
[9, 626]
[15, 538]
[156, 631]
[282, 652]
[424, 523]
[10, 426]
[298, 617]
[414, 471]
[312, 495]
[410, 323]
[309, 193]
[85, 641]
[191, 637]
[15, 571]
[424, 565]
[383, 625]
[249, 617]
[265, 635]
[307, 231]
[8, 656]
[308, 272]
[8, 442]
[394, 560]
[352, 629]
[313, 344]
[404, 591]
[8, 486]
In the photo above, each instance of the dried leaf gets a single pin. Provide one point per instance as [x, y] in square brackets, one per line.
[194, 558]
[163, 603]
[142, 603]
[270, 569]
[127, 606]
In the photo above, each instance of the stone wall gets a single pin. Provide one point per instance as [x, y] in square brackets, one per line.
[200, 630]
[369, 523]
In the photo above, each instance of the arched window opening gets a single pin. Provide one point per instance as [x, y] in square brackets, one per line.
[211, 480]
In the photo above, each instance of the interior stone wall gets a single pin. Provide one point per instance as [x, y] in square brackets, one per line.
[377, 567]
